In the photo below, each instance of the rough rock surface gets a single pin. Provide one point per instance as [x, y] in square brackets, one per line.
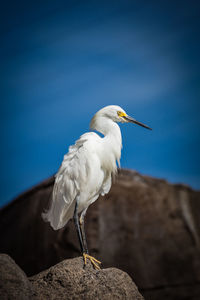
[144, 226]
[69, 280]
[14, 285]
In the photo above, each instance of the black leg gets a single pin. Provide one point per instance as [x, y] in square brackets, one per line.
[82, 239]
[82, 227]
[76, 221]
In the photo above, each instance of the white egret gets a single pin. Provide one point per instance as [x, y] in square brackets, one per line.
[86, 172]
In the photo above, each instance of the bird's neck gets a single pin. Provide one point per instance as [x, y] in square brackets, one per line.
[112, 137]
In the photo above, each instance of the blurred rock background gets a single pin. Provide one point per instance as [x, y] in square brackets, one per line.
[144, 226]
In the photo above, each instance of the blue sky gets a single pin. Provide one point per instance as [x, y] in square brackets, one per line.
[62, 61]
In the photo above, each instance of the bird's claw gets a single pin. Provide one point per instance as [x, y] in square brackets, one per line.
[93, 260]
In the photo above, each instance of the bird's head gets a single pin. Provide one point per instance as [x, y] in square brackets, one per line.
[116, 114]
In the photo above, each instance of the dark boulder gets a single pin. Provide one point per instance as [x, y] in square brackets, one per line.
[69, 280]
[14, 285]
[144, 226]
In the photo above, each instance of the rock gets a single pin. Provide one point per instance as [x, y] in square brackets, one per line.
[144, 226]
[13, 282]
[66, 280]
[69, 280]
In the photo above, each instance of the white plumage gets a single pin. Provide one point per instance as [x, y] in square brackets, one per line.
[87, 169]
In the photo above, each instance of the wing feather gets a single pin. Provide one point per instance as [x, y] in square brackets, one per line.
[69, 180]
[82, 176]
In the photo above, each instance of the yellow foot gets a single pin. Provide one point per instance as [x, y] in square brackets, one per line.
[93, 260]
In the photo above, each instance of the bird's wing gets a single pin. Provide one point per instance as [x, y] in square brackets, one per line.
[69, 180]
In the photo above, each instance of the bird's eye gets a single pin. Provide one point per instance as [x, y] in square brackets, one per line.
[121, 114]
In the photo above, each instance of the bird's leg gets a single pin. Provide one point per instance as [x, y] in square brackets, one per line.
[86, 255]
[82, 227]
[76, 222]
